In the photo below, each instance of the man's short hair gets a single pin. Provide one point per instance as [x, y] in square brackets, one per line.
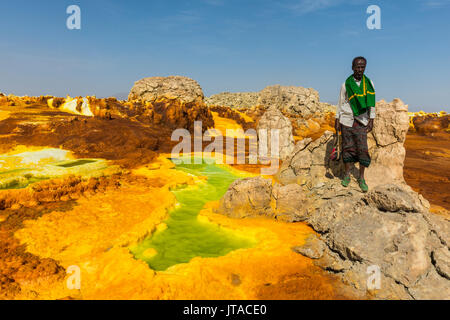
[358, 58]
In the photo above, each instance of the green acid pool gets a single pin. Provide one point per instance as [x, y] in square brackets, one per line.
[186, 237]
[22, 177]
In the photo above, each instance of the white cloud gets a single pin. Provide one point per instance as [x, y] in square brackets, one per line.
[214, 2]
[436, 3]
[307, 6]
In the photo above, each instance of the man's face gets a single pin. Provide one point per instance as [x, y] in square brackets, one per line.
[358, 68]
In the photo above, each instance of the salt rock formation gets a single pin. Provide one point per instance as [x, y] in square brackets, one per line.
[233, 99]
[78, 106]
[289, 201]
[175, 101]
[309, 163]
[388, 228]
[293, 100]
[173, 87]
[253, 197]
[247, 197]
[386, 142]
[309, 117]
[272, 120]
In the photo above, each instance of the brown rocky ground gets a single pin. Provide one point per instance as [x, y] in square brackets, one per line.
[427, 162]
[16, 264]
[129, 133]
[427, 166]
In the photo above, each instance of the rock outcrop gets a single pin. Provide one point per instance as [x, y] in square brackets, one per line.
[255, 197]
[308, 165]
[290, 100]
[313, 248]
[239, 100]
[173, 87]
[289, 201]
[309, 162]
[308, 116]
[386, 142]
[384, 243]
[273, 125]
[248, 197]
[174, 101]
[389, 230]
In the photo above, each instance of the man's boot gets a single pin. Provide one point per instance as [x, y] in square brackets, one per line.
[363, 185]
[346, 181]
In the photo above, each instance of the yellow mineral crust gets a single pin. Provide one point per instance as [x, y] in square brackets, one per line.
[4, 115]
[96, 233]
[244, 116]
[241, 274]
[78, 106]
[222, 126]
[161, 170]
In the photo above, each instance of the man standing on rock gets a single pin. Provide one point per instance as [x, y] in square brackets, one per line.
[354, 117]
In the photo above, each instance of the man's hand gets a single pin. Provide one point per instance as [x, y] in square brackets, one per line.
[337, 126]
[370, 125]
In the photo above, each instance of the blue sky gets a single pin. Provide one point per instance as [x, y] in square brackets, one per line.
[227, 45]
